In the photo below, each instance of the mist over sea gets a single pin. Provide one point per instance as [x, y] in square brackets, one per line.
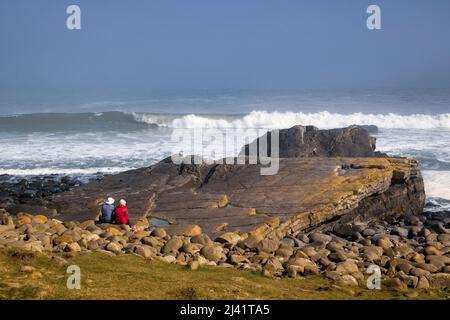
[84, 139]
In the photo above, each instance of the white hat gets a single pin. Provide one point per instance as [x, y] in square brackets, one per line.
[110, 200]
[123, 202]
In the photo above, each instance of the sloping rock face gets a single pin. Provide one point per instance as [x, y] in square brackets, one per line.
[309, 141]
[308, 191]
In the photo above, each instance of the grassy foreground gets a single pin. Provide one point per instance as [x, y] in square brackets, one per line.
[132, 277]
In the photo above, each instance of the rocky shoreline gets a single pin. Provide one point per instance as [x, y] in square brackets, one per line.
[335, 208]
[15, 190]
[411, 251]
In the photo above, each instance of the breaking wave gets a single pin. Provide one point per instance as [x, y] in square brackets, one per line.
[324, 119]
[255, 119]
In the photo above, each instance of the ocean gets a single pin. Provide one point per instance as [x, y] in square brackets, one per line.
[109, 137]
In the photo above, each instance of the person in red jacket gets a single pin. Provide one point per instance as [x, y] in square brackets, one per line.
[122, 213]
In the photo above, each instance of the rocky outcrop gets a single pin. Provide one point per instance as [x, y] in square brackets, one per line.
[309, 141]
[34, 189]
[332, 215]
[307, 192]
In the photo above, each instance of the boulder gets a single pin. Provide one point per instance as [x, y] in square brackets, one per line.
[419, 272]
[427, 266]
[423, 283]
[173, 245]
[67, 238]
[320, 237]
[289, 242]
[284, 252]
[346, 267]
[92, 245]
[159, 232]
[311, 270]
[394, 284]
[251, 242]
[141, 234]
[202, 239]
[402, 232]
[168, 258]
[212, 253]
[22, 221]
[237, 259]
[191, 248]
[229, 237]
[300, 262]
[343, 230]
[372, 253]
[417, 257]
[405, 267]
[144, 251]
[86, 224]
[384, 242]
[368, 232]
[439, 281]
[438, 261]
[72, 247]
[347, 280]
[432, 251]
[114, 231]
[274, 266]
[152, 241]
[268, 246]
[410, 281]
[338, 256]
[114, 247]
[39, 219]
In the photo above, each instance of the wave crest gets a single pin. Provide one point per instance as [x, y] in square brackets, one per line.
[125, 121]
[274, 120]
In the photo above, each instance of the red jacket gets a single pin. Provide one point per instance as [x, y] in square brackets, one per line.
[121, 214]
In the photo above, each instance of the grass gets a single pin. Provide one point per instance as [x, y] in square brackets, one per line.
[132, 277]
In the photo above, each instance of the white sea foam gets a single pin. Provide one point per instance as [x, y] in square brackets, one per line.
[437, 183]
[122, 143]
[324, 119]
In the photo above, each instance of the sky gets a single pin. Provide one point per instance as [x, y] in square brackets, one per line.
[140, 48]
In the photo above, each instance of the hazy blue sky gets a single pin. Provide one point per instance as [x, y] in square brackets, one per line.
[139, 48]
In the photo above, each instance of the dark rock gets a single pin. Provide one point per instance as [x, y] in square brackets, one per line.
[309, 141]
[320, 237]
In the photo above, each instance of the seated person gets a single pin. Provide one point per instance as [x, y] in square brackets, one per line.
[122, 213]
[108, 210]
